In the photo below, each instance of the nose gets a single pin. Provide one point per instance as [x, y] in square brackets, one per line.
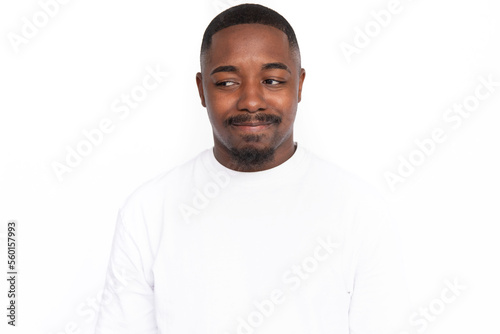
[251, 98]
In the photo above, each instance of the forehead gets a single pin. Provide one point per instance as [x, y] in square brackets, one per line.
[244, 42]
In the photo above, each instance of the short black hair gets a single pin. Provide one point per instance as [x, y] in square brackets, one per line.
[249, 13]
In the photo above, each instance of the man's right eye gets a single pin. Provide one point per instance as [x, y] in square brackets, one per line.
[225, 83]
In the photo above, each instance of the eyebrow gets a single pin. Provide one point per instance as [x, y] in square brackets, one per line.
[225, 68]
[268, 66]
[279, 66]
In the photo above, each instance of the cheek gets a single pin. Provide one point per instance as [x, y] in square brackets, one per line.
[219, 103]
[218, 111]
[287, 104]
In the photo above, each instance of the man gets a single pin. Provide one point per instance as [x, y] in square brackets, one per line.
[256, 234]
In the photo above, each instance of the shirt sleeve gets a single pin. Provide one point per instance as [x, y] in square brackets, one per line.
[127, 305]
[380, 300]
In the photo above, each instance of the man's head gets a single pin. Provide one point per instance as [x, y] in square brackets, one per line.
[250, 83]
[249, 14]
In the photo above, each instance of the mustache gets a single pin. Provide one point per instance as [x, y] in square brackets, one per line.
[245, 118]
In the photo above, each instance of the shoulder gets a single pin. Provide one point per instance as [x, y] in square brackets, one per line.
[363, 204]
[341, 179]
[154, 191]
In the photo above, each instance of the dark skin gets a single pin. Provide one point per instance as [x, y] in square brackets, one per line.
[251, 82]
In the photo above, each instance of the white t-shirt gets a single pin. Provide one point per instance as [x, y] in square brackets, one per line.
[303, 247]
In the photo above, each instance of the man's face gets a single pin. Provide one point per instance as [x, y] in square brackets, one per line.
[250, 84]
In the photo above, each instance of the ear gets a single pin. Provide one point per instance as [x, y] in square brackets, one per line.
[302, 76]
[199, 83]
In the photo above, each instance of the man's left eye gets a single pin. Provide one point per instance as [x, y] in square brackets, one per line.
[272, 82]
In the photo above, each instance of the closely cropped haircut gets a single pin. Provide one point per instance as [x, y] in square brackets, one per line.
[249, 13]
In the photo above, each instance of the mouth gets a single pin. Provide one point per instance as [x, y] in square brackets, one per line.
[252, 126]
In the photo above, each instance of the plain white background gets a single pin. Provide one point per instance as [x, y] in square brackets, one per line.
[362, 115]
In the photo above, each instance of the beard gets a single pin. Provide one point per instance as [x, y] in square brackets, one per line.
[251, 157]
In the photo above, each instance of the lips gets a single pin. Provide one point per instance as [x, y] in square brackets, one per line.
[252, 123]
[252, 126]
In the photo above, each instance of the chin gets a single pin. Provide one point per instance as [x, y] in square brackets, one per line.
[251, 156]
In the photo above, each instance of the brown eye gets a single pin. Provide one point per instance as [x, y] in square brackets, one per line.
[225, 83]
[273, 82]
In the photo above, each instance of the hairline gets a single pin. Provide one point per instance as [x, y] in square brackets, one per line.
[293, 47]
